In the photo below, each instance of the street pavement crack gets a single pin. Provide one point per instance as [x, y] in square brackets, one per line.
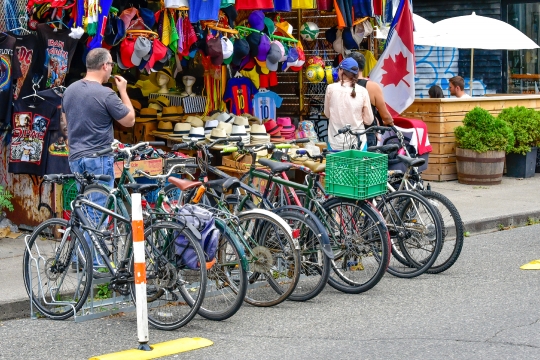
[510, 343]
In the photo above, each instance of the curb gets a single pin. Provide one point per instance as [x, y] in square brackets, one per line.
[15, 309]
[493, 224]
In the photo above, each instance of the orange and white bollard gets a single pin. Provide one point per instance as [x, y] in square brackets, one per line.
[139, 269]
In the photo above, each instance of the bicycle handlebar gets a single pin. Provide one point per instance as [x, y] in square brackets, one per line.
[189, 166]
[59, 178]
[347, 129]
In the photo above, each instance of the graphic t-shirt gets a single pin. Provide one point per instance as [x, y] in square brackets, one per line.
[203, 10]
[239, 94]
[26, 50]
[9, 71]
[30, 136]
[265, 104]
[58, 150]
[57, 50]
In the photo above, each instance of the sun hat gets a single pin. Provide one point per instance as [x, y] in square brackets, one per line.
[216, 134]
[164, 128]
[195, 134]
[224, 117]
[195, 121]
[209, 125]
[171, 113]
[285, 29]
[252, 119]
[286, 123]
[227, 127]
[136, 106]
[167, 72]
[240, 51]
[161, 100]
[349, 64]
[258, 134]
[180, 130]
[240, 130]
[277, 138]
[272, 127]
[240, 120]
[147, 114]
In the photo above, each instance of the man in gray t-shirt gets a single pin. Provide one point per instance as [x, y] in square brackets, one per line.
[90, 109]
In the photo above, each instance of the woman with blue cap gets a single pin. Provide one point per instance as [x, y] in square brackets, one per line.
[345, 103]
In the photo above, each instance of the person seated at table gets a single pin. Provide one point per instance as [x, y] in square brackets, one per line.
[435, 92]
[457, 86]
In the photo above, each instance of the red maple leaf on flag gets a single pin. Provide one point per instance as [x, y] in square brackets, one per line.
[395, 70]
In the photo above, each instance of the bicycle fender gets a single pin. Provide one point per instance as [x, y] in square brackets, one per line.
[277, 219]
[325, 240]
[220, 224]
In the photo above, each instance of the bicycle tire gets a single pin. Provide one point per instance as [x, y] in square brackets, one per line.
[413, 224]
[174, 291]
[361, 248]
[227, 278]
[453, 232]
[54, 276]
[174, 195]
[315, 262]
[272, 254]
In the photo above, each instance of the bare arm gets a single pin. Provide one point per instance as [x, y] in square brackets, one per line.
[375, 90]
[129, 119]
[327, 103]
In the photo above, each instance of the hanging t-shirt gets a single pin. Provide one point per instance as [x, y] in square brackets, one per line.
[30, 136]
[304, 4]
[58, 150]
[26, 50]
[9, 71]
[282, 5]
[57, 50]
[254, 4]
[362, 8]
[239, 95]
[203, 10]
[265, 104]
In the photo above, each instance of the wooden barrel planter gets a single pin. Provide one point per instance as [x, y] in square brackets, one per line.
[475, 168]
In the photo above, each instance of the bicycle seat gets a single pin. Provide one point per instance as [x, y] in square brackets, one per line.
[141, 188]
[223, 185]
[275, 167]
[385, 149]
[415, 162]
[184, 184]
[316, 167]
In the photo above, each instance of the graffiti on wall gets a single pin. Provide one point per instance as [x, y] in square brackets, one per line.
[435, 65]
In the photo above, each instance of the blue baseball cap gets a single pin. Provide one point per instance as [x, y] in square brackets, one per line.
[350, 65]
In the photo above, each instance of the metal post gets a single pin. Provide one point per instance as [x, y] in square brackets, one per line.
[139, 271]
[471, 80]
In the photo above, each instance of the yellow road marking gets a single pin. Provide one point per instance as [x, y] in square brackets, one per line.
[533, 265]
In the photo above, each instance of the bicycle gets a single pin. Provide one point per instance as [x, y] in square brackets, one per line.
[57, 244]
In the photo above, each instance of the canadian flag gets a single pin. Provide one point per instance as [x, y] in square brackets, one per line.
[396, 66]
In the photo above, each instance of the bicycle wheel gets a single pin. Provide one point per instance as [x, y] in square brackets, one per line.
[57, 269]
[117, 237]
[415, 231]
[174, 195]
[360, 244]
[174, 283]
[274, 261]
[227, 278]
[453, 231]
[315, 262]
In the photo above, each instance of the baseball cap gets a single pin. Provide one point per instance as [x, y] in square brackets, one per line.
[273, 56]
[141, 48]
[158, 52]
[126, 50]
[253, 40]
[264, 48]
[292, 58]
[231, 13]
[349, 64]
[269, 26]
[215, 51]
[240, 51]
[227, 49]
[300, 62]
[147, 16]
[256, 20]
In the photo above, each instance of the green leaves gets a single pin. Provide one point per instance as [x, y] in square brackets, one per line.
[483, 132]
[5, 197]
[525, 123]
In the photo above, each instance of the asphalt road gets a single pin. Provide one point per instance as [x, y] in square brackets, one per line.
[484, 307]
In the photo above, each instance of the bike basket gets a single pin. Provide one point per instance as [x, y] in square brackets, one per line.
[356, 174]
[69, 193]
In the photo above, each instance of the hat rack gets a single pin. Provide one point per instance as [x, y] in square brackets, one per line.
[139, 32]
[244, 30]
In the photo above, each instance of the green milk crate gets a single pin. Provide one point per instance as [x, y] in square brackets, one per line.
[356, 174]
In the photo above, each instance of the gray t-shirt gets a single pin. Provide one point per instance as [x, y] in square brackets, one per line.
[90, 108]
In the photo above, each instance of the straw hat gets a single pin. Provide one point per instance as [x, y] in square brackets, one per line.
[161, 100]
[156, 106]
[165, 71]
[259, 135]
[214, 135]
[146, 115]
[136, 106]
[225, 126]
[240, 120]
[240, 130]
[180, 130]
[164, 128]
[209, 125]
[195, 134]
[195, 121]
[277, 138]
[171, 113]
[224, 117]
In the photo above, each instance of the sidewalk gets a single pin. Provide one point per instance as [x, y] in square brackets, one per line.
[482, 209]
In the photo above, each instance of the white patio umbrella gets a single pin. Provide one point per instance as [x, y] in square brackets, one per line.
[476, 32]
[422, 28]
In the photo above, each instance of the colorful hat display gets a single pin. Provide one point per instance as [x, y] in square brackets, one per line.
[146, 115]
[180, 130]
[164, 128]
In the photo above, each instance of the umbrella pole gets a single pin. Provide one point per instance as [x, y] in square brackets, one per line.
[471, 80]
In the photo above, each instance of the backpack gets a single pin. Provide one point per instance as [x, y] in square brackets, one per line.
[202, 220]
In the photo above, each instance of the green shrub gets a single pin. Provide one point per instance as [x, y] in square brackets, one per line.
[483, 132]
[525, 124]
[5, 199]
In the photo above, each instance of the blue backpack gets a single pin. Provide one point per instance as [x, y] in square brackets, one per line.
[202, 220]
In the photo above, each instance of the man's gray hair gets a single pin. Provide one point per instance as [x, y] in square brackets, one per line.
[96, 58]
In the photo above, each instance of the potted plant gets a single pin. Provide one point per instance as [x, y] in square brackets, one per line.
[5, 200]
[481, 145]
[521, 155]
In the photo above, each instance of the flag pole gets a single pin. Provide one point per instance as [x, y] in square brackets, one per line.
[471, 79]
